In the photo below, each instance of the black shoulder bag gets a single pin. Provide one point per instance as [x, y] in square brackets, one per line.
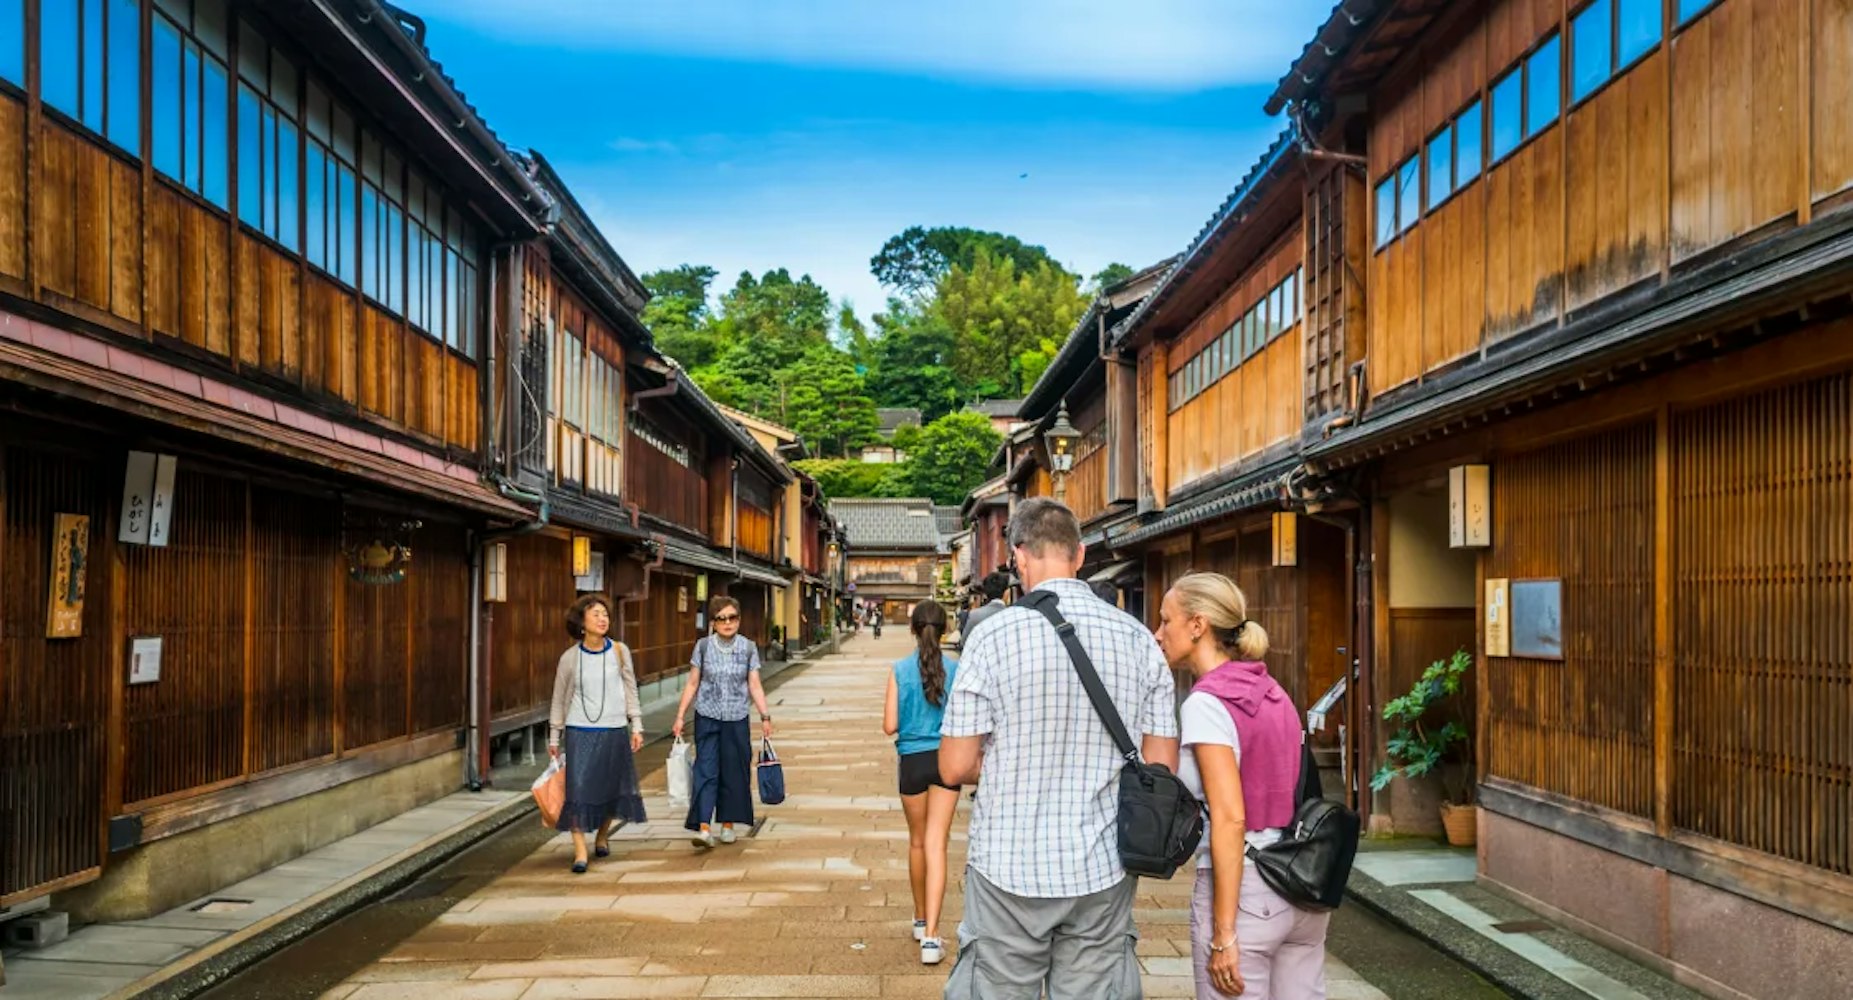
[1311, 862]
[1160, 822]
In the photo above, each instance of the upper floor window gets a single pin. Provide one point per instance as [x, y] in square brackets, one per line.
[269, 187]
[1607, 36]
[1440, 155]
[189, 134]
[1508, 108]
[330, 194]
[677, 452]
[1689, 9]
[90, 65]
[607, 401]
[1397, 198]
[13, 42]
[1266, 319]
[1543, 86]
[1468, 145]
[1453, 155]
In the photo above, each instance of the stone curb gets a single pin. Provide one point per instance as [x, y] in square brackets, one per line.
[216, 962]
[1497, 966]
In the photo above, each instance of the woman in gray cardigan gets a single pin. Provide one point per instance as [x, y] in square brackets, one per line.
[596, 709]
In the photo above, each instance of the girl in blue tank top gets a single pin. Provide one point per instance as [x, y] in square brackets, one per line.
[917, 688]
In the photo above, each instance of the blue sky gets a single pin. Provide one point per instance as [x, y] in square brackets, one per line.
[752, 134]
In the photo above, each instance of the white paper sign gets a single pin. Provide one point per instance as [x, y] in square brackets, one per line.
[147, 499]
[595, 580]
[144, 659]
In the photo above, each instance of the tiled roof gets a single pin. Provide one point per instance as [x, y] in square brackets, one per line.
[897, 417]
[948, 520]
[888, 523]
[997, 407]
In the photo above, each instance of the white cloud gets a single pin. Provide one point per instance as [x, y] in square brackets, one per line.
[1163, 45]
[632, 144]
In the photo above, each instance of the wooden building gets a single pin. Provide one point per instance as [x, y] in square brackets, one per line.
[1606, 270]
[894, 552]
[245, 355]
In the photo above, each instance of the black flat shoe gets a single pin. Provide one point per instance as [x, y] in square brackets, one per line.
[602, 852]
[579, 868]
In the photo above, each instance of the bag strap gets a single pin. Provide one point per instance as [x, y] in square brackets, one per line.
[1044, 602]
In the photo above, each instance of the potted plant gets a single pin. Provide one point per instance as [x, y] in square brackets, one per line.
[1433, 740]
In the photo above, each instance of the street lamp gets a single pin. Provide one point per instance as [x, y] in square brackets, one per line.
[1060, 439]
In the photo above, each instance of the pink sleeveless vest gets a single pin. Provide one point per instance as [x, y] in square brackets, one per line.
[1268, 728]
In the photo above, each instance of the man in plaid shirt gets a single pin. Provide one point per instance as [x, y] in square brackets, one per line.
[1046, 900]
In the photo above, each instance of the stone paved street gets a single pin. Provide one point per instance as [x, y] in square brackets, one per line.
[815, 905]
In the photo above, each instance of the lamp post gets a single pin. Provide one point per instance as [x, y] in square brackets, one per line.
[1060, 439]
[830, 568]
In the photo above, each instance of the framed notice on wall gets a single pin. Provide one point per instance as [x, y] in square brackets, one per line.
[1537, 619]
[1498, 617]
[70, 558]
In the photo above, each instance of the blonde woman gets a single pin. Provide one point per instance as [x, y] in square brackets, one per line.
[722, 678]
[597, 712]
[1241, 740]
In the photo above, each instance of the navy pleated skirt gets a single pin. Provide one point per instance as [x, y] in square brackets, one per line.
[601, 780]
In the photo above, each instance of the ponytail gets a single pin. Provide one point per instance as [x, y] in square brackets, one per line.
[929, 623]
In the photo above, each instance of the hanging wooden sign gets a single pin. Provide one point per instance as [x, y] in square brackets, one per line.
[70, 557]
[147, 498]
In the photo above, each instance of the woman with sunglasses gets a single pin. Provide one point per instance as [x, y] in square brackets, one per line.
[723, 677]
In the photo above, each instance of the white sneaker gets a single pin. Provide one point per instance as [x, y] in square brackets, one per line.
[704, 839]
[727, 835]
[931, 951]
[919, 930]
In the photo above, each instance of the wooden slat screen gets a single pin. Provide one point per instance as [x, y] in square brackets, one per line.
[661, 638]
[54, 694]
[373, 688]
[1763, 622]
[663, 486]
[441, 636]
[1325, 283]
[1581, 511]
[530, 627]
[187, 730]
[295, 567]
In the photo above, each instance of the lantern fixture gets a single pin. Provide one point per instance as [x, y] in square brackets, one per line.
[1060, 439]
[582, 555]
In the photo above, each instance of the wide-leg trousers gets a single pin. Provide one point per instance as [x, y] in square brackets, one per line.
[723, 790]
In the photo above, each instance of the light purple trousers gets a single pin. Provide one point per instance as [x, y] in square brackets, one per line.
[1282, 946]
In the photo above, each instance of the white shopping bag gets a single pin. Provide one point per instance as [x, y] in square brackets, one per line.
[681, 773]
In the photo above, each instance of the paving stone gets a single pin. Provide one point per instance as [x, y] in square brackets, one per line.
[793, 986]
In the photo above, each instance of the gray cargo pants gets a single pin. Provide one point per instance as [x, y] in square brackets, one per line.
[1010, 947]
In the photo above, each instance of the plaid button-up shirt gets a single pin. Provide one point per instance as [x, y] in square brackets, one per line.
[1045, 825]
[723, 695]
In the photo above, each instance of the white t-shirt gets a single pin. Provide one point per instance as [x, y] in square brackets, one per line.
[1206, 720]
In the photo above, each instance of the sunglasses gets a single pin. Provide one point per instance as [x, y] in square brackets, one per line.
[726, 618]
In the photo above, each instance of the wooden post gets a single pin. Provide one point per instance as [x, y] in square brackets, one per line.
[250, 635]
[1663, 626]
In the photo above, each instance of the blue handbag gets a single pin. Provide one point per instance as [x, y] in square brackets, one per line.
[771, 775]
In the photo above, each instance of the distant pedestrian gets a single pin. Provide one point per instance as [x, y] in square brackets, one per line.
[722, 678]
[993, 587]
[875, 617]
[1243, 736]
[1047, 900]
[916, 704]
[596, 709]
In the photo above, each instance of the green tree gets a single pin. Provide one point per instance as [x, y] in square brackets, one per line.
[954, 453]
[853, 337]
[777, 307]
[915, 259]
[841, 477]
[1110, 275]
[678, 314]
[824, 400]
[1007, 323]
[912, 361]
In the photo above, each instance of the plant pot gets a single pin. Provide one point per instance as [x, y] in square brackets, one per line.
[1461, 823]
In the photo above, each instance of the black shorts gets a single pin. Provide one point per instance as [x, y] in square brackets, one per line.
[920, 771]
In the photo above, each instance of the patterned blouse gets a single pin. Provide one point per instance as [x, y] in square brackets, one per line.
[723, 695]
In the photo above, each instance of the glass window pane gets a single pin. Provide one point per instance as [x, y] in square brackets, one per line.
[1508, 127]
[395, 259]
[1440, 167]
[13, 41]
[58, 46]
[215, 138]
[190, 103]
[253, 57]
[90, 102]
[344, 134]
[267, 133]
[250, 159]
[1543, 86]
[125, 74]
[1689, 9]
[315, 205]
[393, 180]
[209, 25]
[164, 102]
[369, 241]
[1386, 210]
[1637, 29]
[1467, 150]
[1408, 188]
[345, 186]
[283, 84]
[1591, 55]
[315, 111]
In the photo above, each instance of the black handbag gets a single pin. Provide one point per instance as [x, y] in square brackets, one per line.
[1311, 862]
[1160, 822]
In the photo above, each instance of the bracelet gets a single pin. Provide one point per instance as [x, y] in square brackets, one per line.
[1219, 949]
